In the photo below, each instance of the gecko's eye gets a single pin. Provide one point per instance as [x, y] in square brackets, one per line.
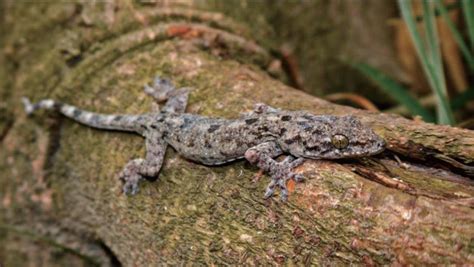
[339, 141]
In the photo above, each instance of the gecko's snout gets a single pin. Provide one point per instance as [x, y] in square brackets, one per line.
[382, 143]
[379, 145]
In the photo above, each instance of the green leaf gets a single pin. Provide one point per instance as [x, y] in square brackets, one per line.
[394, 89]
[457, 35]
[429, 53]
[468, 10]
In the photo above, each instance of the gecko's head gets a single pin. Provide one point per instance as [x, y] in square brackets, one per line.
[330, 137]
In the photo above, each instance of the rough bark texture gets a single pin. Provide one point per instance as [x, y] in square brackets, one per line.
[60, 199]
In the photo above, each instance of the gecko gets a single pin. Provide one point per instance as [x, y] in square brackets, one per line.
[259, 136]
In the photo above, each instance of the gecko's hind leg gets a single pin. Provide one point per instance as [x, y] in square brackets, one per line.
[137, 169]
[163, 90]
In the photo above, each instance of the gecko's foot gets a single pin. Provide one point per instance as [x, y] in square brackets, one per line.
[160, 89]
[280, 176]
[130, 186]
[131, 177]
[260, 108]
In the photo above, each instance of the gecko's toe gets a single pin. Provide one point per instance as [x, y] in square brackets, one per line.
[148, 89]
[159, 81]
[281, 183]
[160, 89]
[298, 178]
[268, 193]
[162, 84]
[135, 189]
[29, 108]
[270, 189]
[130, 188]
[283, 190]
[295, 163]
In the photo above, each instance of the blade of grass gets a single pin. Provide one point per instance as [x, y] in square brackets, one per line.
[434, 56]
[449, 7]
[432, 41]
[443, 110]
[405, 7]
[468, 10]
[394, 89]
[457, 35]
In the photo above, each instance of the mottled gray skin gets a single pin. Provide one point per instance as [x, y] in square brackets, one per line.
[259, 136]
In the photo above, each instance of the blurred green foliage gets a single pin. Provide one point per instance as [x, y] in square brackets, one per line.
[427, 45]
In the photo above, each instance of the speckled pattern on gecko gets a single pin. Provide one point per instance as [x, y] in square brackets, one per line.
[259, 136]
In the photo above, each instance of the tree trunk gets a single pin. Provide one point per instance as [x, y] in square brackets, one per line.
[60, 200]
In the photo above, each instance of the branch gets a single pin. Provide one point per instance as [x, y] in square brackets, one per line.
[414, 210]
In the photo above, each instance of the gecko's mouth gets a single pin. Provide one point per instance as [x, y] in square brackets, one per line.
[355, 151]
[380, 146]
[377, 148]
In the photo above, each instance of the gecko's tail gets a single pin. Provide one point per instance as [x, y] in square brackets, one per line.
[29, 108]
[130, 123]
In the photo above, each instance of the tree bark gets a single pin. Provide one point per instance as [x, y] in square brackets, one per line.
[60, 199]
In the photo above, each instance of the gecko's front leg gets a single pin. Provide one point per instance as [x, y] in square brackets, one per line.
[163, 90]
[262, 155]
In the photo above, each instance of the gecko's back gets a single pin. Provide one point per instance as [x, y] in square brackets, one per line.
[213, 141]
